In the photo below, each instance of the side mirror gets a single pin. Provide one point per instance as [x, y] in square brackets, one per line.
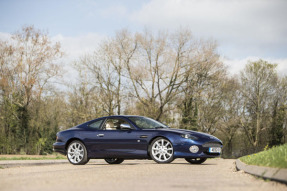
[125, 126]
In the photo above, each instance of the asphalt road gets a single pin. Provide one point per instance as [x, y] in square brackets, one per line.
[214, 174]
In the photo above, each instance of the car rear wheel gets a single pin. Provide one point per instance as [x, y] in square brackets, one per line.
[77, 153]
[195, 160]
[114, 160]
[161, 150]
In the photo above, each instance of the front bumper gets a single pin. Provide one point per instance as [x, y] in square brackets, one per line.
[182, 150]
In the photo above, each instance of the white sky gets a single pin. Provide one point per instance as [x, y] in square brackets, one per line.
[244, 29]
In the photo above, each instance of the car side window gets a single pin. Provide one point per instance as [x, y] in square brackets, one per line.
[96, 125]
[114, 124]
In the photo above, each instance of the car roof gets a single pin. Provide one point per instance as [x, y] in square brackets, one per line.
[125, 116]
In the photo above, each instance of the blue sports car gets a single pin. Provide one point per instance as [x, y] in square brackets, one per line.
[116, 138]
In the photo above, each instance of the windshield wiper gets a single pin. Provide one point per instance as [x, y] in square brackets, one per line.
[159, 127]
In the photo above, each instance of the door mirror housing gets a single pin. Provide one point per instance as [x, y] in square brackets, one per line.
[125, 126]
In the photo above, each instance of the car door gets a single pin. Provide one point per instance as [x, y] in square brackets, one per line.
[90, 136]
[112, 141]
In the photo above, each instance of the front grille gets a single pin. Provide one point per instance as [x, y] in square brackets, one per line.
[212, 144]
[212, 154]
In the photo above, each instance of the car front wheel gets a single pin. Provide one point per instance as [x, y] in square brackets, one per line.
[161, 150]
[77, 153]
[196, 160]
[114, 160]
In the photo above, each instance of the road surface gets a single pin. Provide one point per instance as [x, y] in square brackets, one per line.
[134, 175]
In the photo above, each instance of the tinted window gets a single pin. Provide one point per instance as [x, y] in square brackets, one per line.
[147, 123]
[96, 125]
[114, 124]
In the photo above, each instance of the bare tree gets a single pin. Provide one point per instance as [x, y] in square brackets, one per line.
[28, 64]
[258, 80]
[229, 117]
[106, 69]
[278, 109]
[35, 66]
[200, 101]
[156, 72]
[83, 99]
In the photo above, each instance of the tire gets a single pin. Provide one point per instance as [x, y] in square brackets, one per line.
[114, 160]
[161, 150]
[195, 160]
[77, 153]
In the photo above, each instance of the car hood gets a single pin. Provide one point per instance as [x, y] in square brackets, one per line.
[194, 133]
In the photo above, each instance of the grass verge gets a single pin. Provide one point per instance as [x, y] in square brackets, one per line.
[32, 157]
[275, 157]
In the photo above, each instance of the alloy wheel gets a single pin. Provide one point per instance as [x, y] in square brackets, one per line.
[77, 153]
[162, 150]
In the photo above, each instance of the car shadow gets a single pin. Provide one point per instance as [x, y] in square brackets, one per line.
[192, 164]
[112, 164]
[129, 164]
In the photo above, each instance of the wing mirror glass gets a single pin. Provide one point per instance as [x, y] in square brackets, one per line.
[125, 126]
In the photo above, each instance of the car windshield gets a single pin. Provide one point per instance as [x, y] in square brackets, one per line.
[147, 123]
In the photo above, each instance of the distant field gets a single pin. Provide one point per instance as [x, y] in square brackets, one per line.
[31, 157]
[274, 157]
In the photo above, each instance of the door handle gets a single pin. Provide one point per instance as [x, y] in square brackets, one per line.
[100, 135]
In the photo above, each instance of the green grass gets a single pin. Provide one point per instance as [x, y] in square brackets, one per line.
[275, 157]
[32, 158]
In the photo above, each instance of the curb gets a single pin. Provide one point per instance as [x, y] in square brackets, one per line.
[18, 163]
[276, 174]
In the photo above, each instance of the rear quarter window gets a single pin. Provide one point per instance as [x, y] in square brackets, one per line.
[96, 124]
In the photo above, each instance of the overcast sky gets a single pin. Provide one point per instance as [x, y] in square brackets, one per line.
[244, 29]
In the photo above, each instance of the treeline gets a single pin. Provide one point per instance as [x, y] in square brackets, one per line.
[173, 78]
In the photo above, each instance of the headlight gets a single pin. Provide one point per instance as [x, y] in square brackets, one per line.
[188, 136]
